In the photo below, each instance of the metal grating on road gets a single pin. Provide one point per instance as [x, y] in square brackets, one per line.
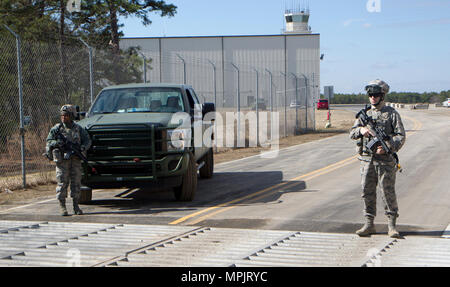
[413, 252]
[315, 249]
[75, 244]
[21, 236]
[204, 247]
[24, 243]
[446, 233]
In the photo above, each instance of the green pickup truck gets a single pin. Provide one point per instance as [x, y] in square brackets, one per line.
[147, 135]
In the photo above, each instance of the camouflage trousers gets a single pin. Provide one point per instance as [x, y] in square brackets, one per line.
[383, 174]
[68, 172]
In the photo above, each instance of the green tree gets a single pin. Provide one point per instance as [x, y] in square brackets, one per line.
[394, 97]
[100, 19]
[55, 62]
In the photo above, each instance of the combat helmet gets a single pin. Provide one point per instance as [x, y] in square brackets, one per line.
[377, 87]
[68, 110]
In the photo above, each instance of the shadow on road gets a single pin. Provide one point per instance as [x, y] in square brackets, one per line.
[224, 187]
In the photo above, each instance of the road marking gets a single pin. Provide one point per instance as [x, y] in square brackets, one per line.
[305, 177]
[34, 203]
[288, 183]
[27, 205]
[278, 150]
[417, 125]
[269, 191]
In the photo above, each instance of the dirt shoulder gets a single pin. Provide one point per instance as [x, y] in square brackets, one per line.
[341, 122]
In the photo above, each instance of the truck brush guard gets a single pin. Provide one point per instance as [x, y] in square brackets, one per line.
[130, 153]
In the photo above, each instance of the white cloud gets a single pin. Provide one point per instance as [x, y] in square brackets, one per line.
[351, 21]
[382, 66]
[422, 23]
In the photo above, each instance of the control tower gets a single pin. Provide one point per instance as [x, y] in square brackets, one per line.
[297, 21]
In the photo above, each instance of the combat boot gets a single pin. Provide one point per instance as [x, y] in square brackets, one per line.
[392, 231]
[368, 228]
[76, 209]
[62, 207]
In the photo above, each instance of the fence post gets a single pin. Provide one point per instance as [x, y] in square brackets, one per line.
[184, 68]
[306, 101]
[296, 103]
[315, 99]
[91, 70]
[238, 102]
[257, 106]
[22, 129]
[144, 66]
[214, 79]
[270, 90]
[215, 96]
[271, 101]
[285, 104]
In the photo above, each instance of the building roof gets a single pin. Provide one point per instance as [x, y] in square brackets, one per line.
[224, 36]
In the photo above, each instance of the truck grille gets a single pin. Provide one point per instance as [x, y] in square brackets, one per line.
[124, 169]
[122, 142]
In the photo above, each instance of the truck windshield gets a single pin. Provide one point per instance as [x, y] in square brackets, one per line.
[139, 100]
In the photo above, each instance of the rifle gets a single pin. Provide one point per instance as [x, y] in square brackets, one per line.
[380, 136]
[70, 148]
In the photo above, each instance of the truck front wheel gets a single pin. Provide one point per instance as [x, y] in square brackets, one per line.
[207, 170]
[85, 194]
[186, 191]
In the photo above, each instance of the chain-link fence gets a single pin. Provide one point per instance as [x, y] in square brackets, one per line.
[49, 75]
[234, 88]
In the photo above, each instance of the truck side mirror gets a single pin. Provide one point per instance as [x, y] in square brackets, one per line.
[207, 108]
[77, 115]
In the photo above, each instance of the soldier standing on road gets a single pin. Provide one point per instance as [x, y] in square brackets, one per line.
[68, 169]
[379, 168]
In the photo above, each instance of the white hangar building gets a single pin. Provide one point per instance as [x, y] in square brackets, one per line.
[269, 67]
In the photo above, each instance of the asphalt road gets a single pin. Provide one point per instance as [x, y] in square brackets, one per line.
[309, 187]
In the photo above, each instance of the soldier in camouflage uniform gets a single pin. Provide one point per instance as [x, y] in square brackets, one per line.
[68, 170]
[379, 168]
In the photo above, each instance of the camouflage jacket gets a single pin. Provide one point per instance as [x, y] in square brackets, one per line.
[387, 118]
[76, 134]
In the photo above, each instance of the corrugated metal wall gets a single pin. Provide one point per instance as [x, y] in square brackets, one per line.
[212, 64]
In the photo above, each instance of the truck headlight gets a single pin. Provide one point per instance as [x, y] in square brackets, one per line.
[178, 139]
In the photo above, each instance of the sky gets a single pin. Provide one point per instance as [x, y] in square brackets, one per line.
[403, 42]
